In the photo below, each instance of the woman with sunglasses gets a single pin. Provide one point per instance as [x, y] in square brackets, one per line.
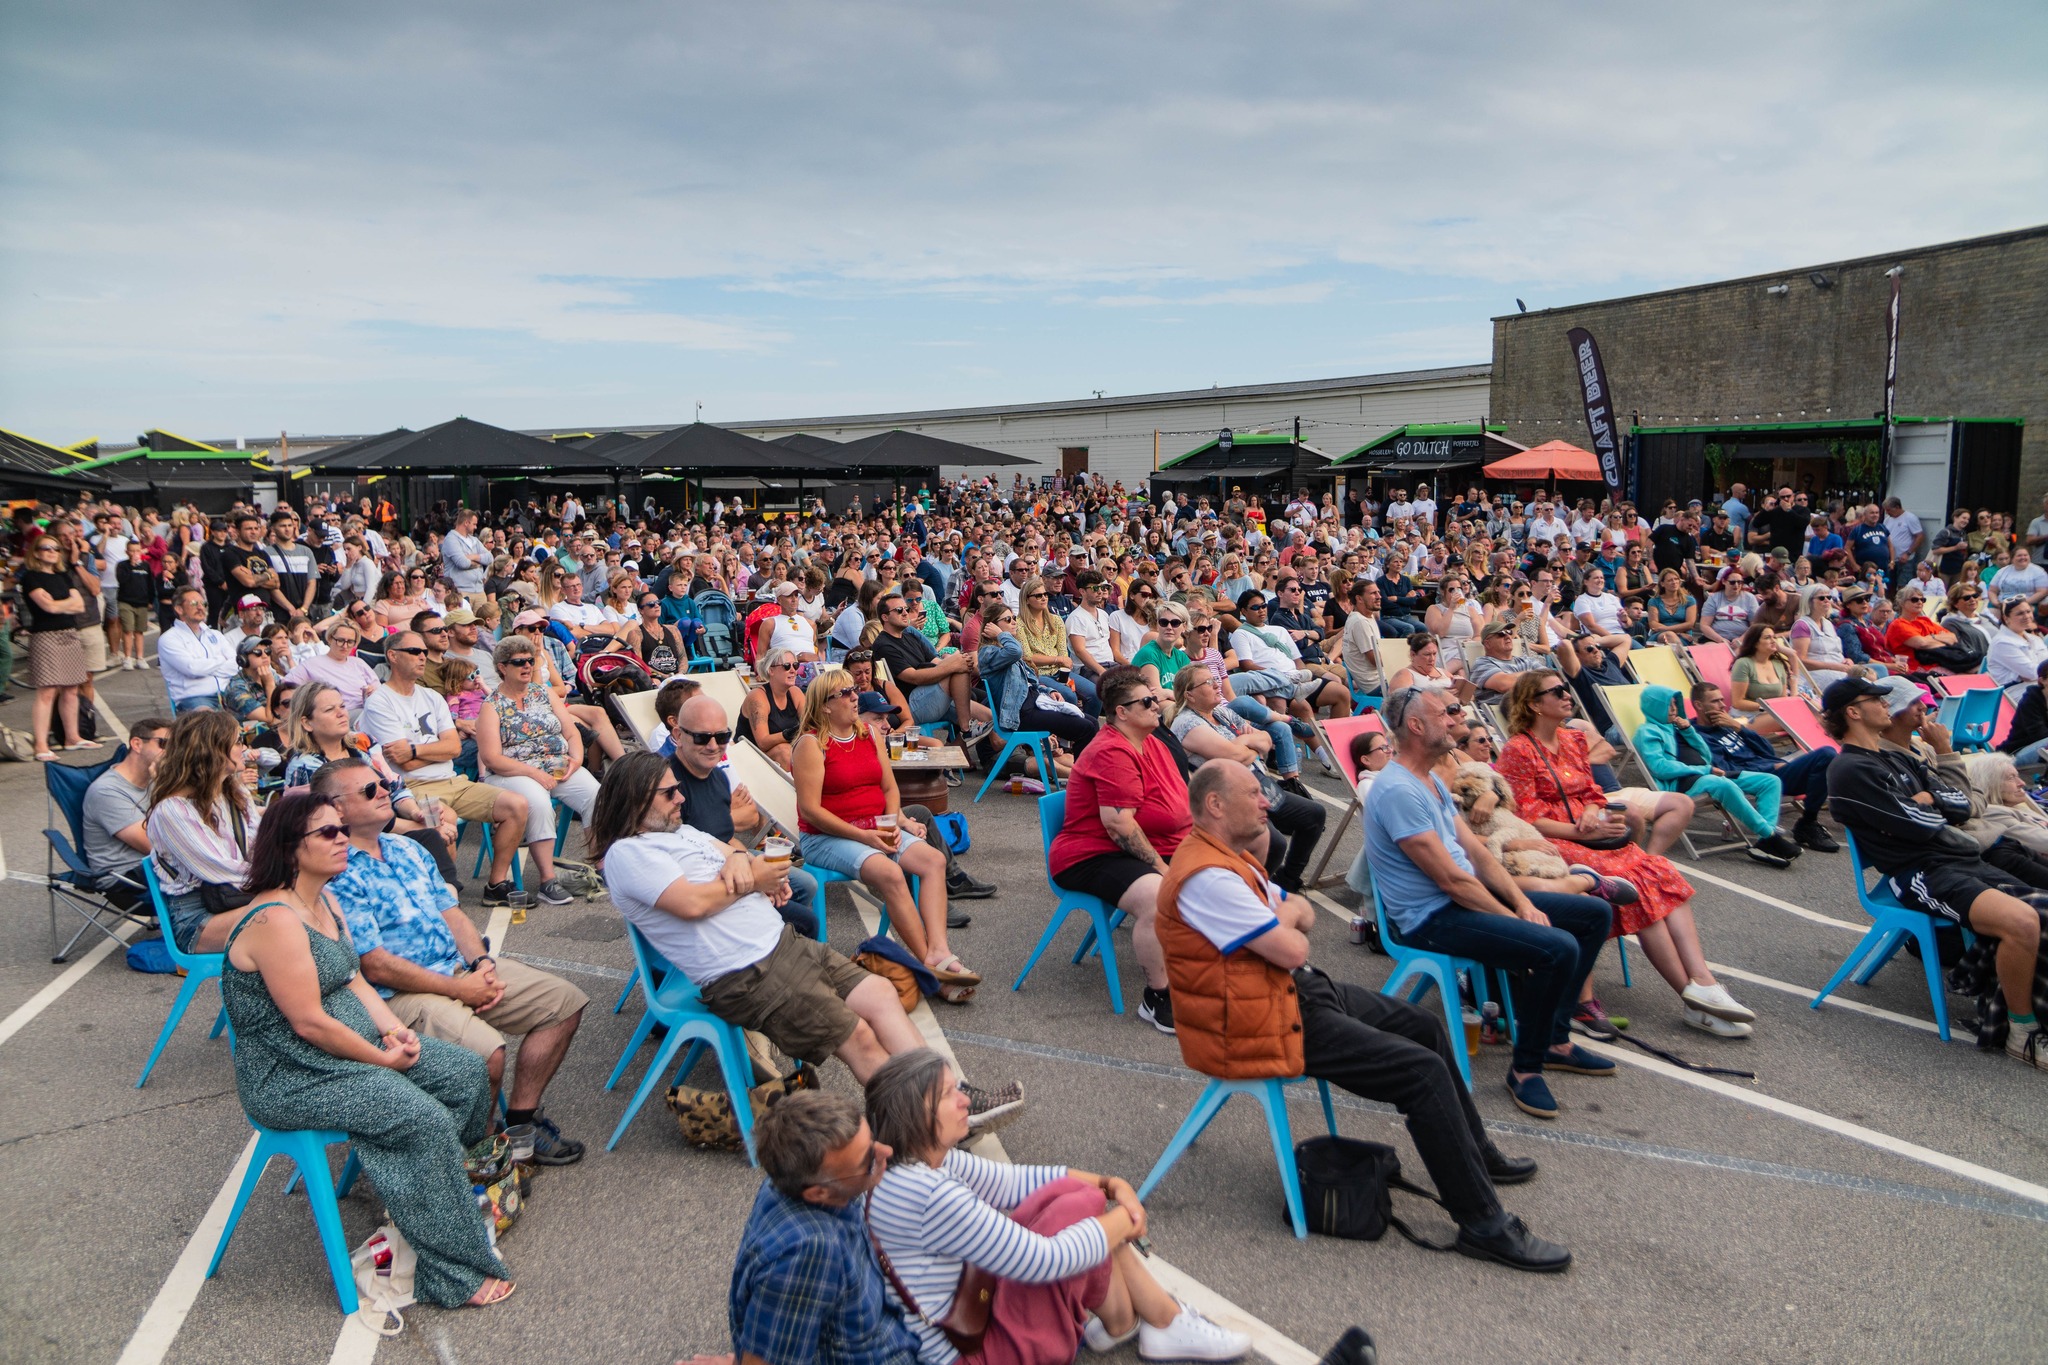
[661, 645]
[1209, 731]
[528, 742]
[1816, 643]
[1546, 763]
[1674, 613]
[400, 597]
[1024, 700]
[1729, 609]
[773, 711]
[619, 611]
[843, 786]
[316, 1047]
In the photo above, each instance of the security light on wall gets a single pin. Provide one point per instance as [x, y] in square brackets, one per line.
[1779, 290]
[1820, 280]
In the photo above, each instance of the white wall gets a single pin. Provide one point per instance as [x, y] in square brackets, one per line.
[1119, 433]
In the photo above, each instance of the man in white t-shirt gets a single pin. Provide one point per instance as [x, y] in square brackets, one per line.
[1545, 525]
[1425, 507]
[710, 910]
[1222, 921]
[1599, 611]
[581, 618]
[1094, 645]
[418, 735]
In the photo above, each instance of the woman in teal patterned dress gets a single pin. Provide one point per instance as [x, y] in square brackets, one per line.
[316, 1048]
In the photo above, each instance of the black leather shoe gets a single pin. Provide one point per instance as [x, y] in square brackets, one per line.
[965, 888]
[958, 919]
[1503, 1169]
[1297, 786]
[1515, 1247]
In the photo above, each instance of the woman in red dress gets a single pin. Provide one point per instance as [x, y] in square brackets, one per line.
[1545, 762]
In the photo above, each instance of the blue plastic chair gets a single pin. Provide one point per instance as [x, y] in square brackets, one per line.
[1892, 923]
[307, 1150]
[198, 968]
[1272, 1097]
[674, 1002]
[1037, 741]
[1971, 718]
[1102, 918]
[1421, 969]
[77, 885]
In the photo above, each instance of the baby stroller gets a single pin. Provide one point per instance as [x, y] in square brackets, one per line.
[604, 678]
[721, 626]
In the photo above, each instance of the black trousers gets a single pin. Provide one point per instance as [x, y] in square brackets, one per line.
[1382, 1048]
[1075, 730]
[1298, 824]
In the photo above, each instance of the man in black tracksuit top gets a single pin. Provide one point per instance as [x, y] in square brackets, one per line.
[1903, 818]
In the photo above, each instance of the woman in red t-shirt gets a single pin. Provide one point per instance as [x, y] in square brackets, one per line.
[1127, 811]
[843, 783]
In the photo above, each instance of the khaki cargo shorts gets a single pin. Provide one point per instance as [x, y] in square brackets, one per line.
[533, 999]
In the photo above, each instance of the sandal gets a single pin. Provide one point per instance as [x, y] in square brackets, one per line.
[45, 756]
[486, 1296]
[953, 972]
[86, 744]
[955, 995]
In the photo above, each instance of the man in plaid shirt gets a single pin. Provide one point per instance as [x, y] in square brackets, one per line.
[806, 1286]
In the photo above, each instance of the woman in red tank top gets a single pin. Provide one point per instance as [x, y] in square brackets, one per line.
[843, 784]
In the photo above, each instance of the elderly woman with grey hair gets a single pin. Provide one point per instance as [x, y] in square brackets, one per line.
[1057, 1241]
[526, 741]
[773, 712]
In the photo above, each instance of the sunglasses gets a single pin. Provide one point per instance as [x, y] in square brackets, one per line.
[841, 694]
[1560, 691]
[368, 791]
[408, 649]
[669, 791]
[520, 661]
[338, 833]
[1149, 703]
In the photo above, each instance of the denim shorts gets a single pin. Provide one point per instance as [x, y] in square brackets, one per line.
[930, 703]
[188, 914]
[830, 853]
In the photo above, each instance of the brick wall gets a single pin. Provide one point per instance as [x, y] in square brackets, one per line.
[1973, 342]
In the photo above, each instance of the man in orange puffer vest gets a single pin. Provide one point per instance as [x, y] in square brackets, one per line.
[1246, 1005]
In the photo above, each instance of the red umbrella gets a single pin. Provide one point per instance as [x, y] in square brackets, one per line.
[1551, 460]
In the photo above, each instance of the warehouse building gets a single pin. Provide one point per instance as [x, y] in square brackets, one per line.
[1780, 378]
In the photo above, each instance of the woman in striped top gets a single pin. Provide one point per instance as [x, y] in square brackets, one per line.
[201, 822]
[1065, 1267]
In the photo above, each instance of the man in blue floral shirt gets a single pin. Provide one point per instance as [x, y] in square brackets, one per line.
[424, 956]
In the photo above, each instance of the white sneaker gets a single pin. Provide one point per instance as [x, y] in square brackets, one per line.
[2030, 1047]
[127, 664]
[1716, 1001]
[1190, 1336]
[1329, 764]
[1720, 1028]
[1096, 1337]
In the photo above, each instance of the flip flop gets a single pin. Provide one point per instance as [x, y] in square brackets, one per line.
[86, 744]
[45, 756]
[484, 1298]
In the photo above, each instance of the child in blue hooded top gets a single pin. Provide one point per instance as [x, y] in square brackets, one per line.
[1680, 759]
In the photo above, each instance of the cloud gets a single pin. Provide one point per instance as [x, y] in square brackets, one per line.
[344, 203]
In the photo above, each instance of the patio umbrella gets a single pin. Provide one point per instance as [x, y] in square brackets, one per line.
[462, 446]
[1552, 460]
[915, 450]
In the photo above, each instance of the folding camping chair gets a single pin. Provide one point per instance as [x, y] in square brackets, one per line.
[1626, 705]
[1715, 664]
[1659, 666]
[1801, 722]
[83, 891]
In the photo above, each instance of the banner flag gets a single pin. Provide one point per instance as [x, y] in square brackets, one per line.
[1600, 420]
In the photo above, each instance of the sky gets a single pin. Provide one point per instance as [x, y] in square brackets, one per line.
[229, 218]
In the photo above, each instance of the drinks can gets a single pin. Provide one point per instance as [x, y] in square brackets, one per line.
[1358, 923]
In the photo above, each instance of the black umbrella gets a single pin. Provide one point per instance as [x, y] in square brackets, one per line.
[701, 446]
[803, 443]
[915, 450]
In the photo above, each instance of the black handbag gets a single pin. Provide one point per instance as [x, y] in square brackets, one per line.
[218, 899]
[1347, 1190]
[1605, 845]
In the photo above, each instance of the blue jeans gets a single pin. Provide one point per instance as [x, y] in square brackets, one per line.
[800, 911]
[2037, 752]
[931, 703]
[1807, 777]
[1286, 754]
[205, 702]
[1545, 965]
[1084, 693]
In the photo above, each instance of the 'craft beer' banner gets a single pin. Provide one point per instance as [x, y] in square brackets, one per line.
[1599, 407]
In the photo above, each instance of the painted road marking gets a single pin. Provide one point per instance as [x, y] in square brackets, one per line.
[159, 1326]
[71, 976]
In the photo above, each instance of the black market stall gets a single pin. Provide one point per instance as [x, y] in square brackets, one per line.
[35, 471]
[164, 468]
[460, 461]
[1272, 465]
[1439, 454]
[678, 467]
[881, 468]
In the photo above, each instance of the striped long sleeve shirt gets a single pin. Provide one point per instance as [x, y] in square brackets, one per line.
[932, 1222]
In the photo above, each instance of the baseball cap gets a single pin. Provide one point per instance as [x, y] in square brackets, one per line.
[785, 587]
[248, 599]
[875, 704]
[1493, 628]
[528, 618]
[461, 616]
[1849, 691]
[250, 644]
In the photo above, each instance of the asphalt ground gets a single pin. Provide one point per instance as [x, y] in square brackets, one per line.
[1875, 1195]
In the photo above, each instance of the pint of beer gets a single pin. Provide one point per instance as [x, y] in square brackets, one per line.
[885, 825]
[895, 747]
[775, 852]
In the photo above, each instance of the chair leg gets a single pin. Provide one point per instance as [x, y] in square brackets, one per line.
[220, 1023]
[350, 1169]
[1105, 940]
[1856, 955]
[1930, 960]
[640, 1032]
[1213, 1098]
[188, 989]
[1882, 953]
[1052, 929]
[1273, 1099]
[1009, 746]
[259, 1161]
[1329, 1109]
[627, 993]
[327, 1218]
[1427, 971]
[738, 1069]
[691, 1056]
[1621, 947]
[669, 1047]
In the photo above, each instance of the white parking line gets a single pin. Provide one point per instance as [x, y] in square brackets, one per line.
[1855, 1132]
[71, 976]
[1836, 1001]
[159, 1326]
[1268, 1340]
[1692, 872]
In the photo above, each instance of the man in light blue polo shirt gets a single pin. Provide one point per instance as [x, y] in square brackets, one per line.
[1445, 893]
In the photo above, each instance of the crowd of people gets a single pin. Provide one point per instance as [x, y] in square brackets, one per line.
[342, 692]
